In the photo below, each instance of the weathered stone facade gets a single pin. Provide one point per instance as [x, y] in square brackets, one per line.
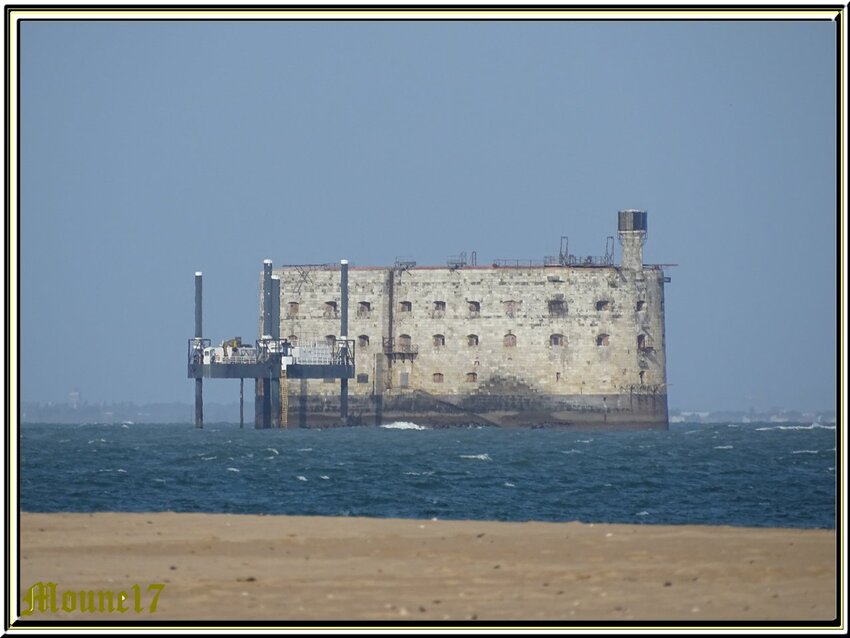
[544, 345]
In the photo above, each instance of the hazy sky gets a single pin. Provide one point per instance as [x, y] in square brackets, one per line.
[150, 150]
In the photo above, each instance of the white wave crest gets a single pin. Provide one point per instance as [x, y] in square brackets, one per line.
[480, 457]
[723, 447]
[509, 484]
[643, 513]
[232, 469]
[271, 449]
[403, 425]
[804, 452]
[301, 478]
[798, 427]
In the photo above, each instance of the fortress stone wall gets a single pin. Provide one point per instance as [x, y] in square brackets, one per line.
[525, 346]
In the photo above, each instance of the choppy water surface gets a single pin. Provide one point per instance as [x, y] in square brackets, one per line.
[781, 475]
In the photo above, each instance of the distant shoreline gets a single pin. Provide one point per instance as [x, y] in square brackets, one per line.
[250, 425]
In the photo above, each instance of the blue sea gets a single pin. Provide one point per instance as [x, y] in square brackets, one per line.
[754, 474]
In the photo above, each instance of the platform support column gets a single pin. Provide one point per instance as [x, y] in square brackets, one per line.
[199, 382]
[274, 331]
[343, 334]
[263, 408]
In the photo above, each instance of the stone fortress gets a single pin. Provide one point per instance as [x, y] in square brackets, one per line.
[566, 342]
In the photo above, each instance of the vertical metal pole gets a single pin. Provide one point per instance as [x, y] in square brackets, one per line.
[343, 334]
[241, 403]
[262, 405]
[275, 308]
[199, 382]
[267, 297]
[274, 390]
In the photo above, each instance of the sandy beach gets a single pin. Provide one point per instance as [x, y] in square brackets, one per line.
[288, 569]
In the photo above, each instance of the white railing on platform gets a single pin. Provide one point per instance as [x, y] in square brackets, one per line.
[314, 354]
[240, 358]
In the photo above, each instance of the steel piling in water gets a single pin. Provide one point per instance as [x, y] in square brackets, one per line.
[199, 382]
[343, 334]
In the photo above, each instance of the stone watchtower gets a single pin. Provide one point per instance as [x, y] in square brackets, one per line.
[631, 228]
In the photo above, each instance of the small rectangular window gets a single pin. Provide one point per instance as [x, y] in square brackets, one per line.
[362, 378]
[404, 379]
[557, 307]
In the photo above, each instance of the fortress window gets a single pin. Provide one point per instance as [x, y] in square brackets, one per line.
[439, 341]
[405, 306]
[292, 309]
[603, 305]
[404, 343]
[557, 307]
[474, 308]
[510, 308]
[642, 377]
[363, 309]
[556, 340]
[330, 309]
[472, 340]
[510, 340]
[471, 377]
[437, 377]
[293, 340]
[640, 306]
[643, 343]
[404, 379]
[330, 339]
[439, 308]
[363, 341]
[602, 340]
[362, 378]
